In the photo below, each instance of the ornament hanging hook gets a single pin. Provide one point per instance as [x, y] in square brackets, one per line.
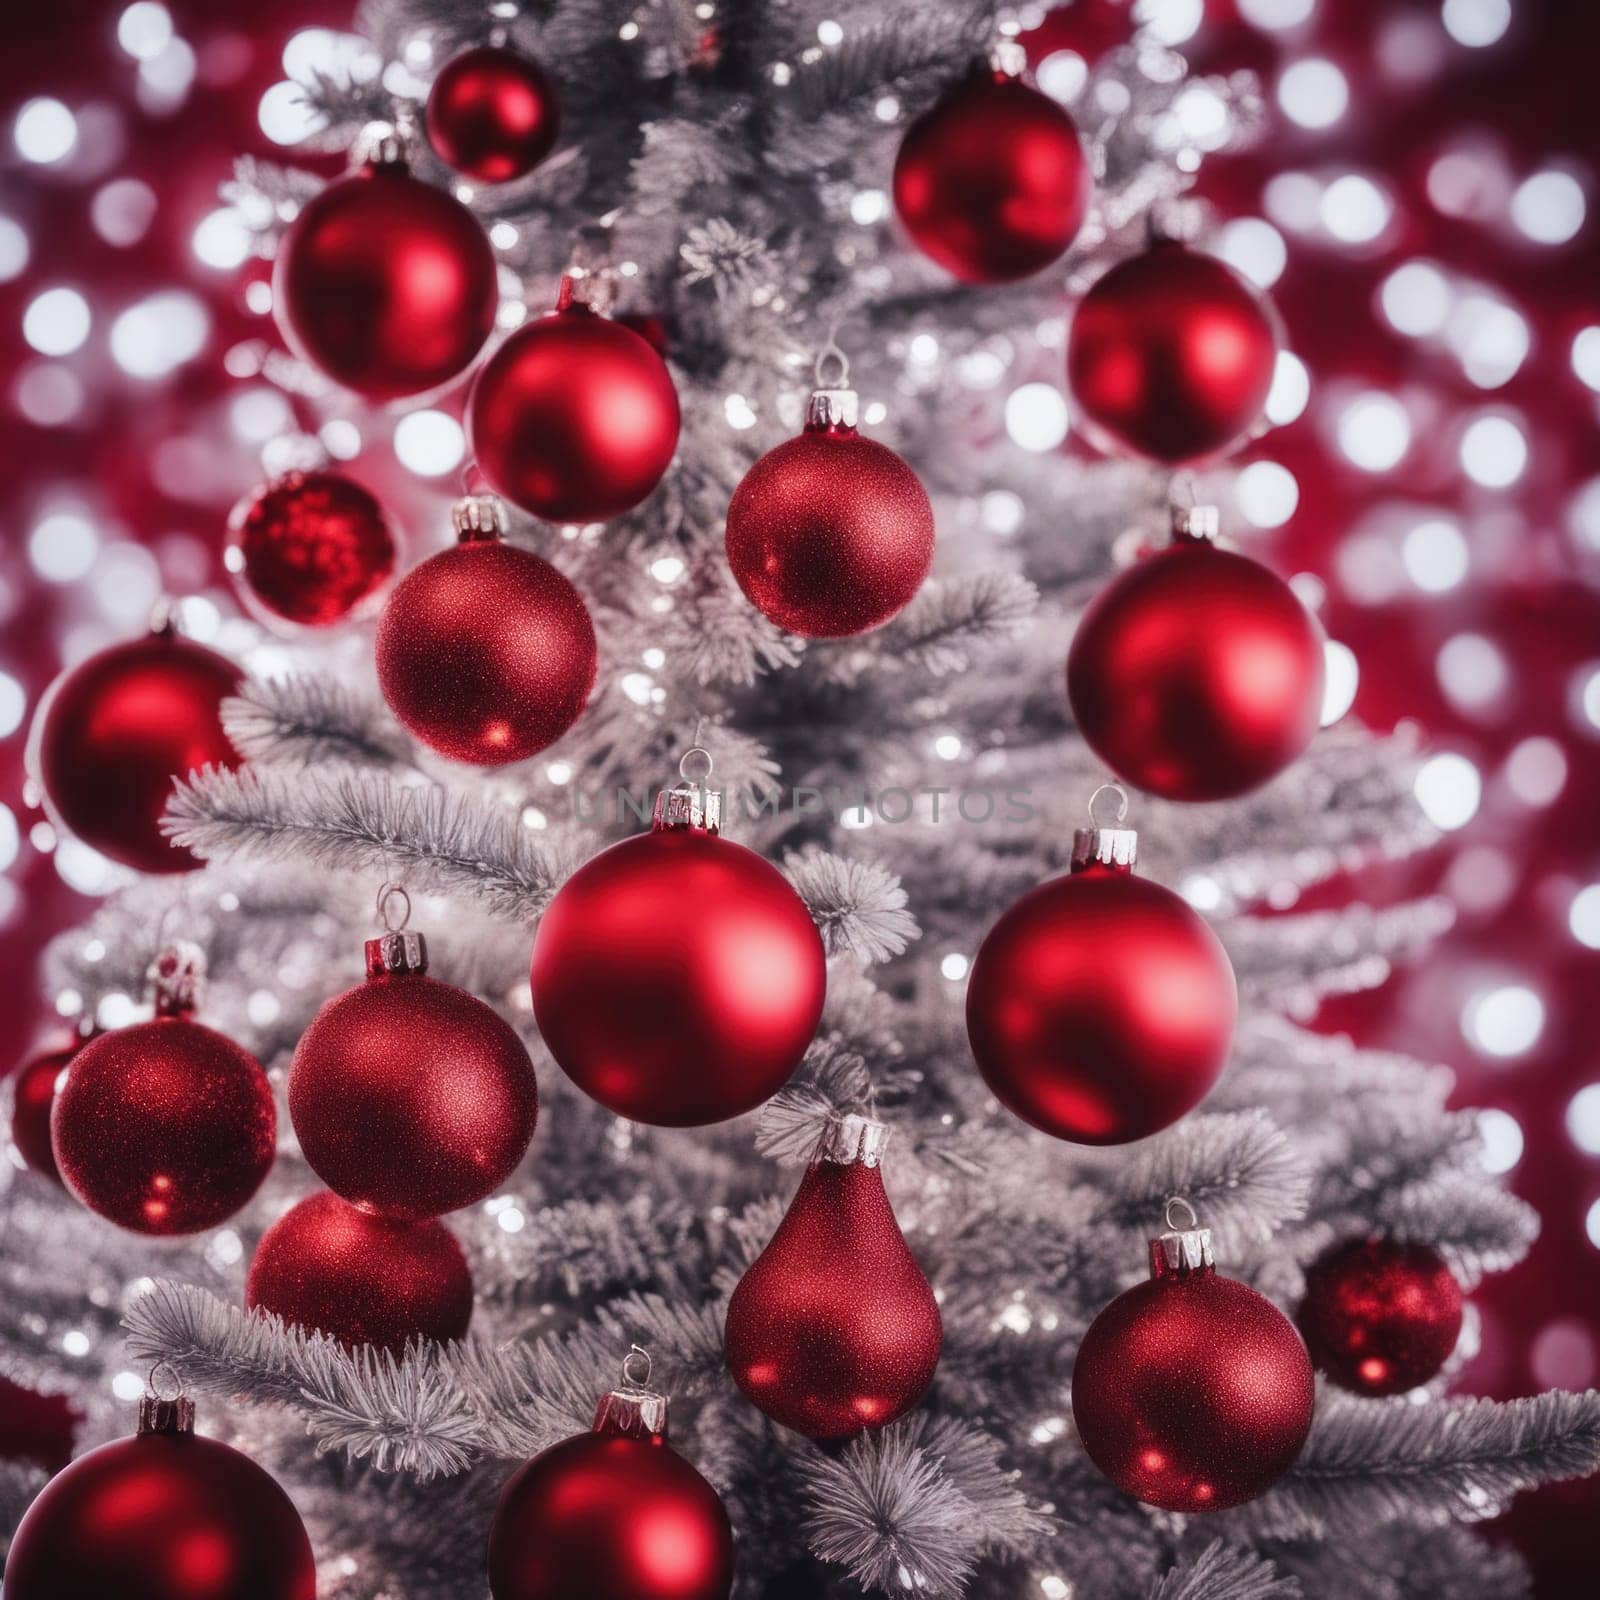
[174, 1377]
[1181, 491]
[1177, 1205]
[1108, 789]
[387, 895]
[832, 354]
[636, 1367]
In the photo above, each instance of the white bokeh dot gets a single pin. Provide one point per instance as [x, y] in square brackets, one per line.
[429, 443]
[1536, 770]
[1583, 1119]
[1583, 916]
[222, 240]
[1591, 1224]
[160, 333]
[1255, 248]
[1448, 788]
[1171, 21]
[45, 131]
[1354, 209]
[1502, 1139]
[286, 115]
[1435, 555]
[1494, 452]
[13, 705]
[1341, 677]
[1276, 14]
[13, 249]
[122, 211]
[144, 30]
[1472, 671]
[1586, 356]
[1504, 1022]
[1374, 431]
[1266, 494]
[62, 546]
[1415, 299]
[1313, 93]
[1476, 23]
[1036, 416]
[1549, 207]
[57, 321]
[1290, 391]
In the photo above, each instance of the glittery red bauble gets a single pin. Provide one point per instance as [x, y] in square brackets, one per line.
[830, 534]
[1172, 353]
[678, 978]
[329, 1268]
[992, 183]
[1101, 1007]
[493, 115]
[161, 1517]
[386, 284]
[486, 652]
[607, 1517]
[114, 733]
[34, 1094]
[834, 1328]
[1197, 674]
[164, 1127]
[574, 417]
[310, 547]
[1380, 1317]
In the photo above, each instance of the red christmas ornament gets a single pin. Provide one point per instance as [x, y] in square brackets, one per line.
[115, 732]
[1172, 353]
[309, 548]
[613, 1514]
[1191, 1391]
[1197, 673]
[165, 1515]
[1101, 1006]
[166, 1126]
[574, 417]
[485, 651]
[830, 534]
[493, 115]
[1380, 1317]
[33, 1097]
[834, 1328]
[410, 1098]
[328, 1268]
[694, 1025]
[992, 183]
[385, 283]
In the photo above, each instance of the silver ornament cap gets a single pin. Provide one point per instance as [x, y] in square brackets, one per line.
[634, 1410]
[1185, 1248]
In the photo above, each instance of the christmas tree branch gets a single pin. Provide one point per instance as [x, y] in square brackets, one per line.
[859, 907]
[1222, 1572]
[312, 720]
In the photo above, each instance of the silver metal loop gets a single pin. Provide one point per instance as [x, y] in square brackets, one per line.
[1172, 1209]
[631, 1367]
[153, 1382]
[704, 764]
[831, 353]
[386, 895]
[1122, 804]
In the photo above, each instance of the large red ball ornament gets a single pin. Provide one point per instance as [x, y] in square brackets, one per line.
[694, 1024]
[834, 1328]
[113, 735]
[328, 1268]
[992, 183]
[574, 417]
[1381, 1317]
[410, 1097]
[1192, 1392]
[1101, 1006]
[493, 115]
[385, 283]
[1172, 353]
[485, 651]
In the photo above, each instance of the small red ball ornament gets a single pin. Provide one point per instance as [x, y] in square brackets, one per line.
[1191, 1392]
[329, 1268]
[113, 735]
[385, 283]
[1101, 1006]
[309, 548]
[33, 1098]
[834, 1327]
[1172, 353]
[830, 534]
[165, 1515]
[485, 651]
[493, 115]
[1380, 1317]
[575, 417]
[1197, 674]
[410, 1097]
[167, 1126]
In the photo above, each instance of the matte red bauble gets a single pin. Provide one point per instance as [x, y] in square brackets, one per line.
[1101, 1006]
[574, 417]
[485, 651]
[410, 1097]
[115, 732]
[385, 283]
[830, 534]
[493, 115]
[166, 1126]
[165, 1515]
[1192, 1392]
[1172, 353]
[992, 183]
[1197, 673]
[694, 1025]
[613, 1514]
[328, 1268]
[33, 1098]
[1381, 1317]
[834, 1327]
[309, 548]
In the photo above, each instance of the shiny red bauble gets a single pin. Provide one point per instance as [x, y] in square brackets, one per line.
[33, 1099]
[1381, 1317]
[486, 652]
[115, 732]
[574, 417]
[328, 1268]
[309, 548]
[493, 115]
[992, 183]
[386, 284]
[830, 534]
[1172, 353]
